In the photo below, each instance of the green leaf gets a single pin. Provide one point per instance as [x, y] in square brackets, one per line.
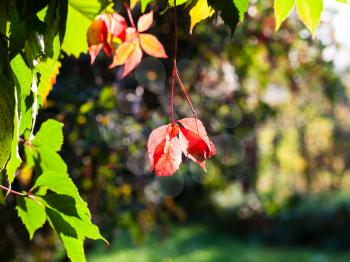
[228, 12]
[309, 12]
[74, 248]
[50, 135]
[7, 115]
[61, 183]
[15, 159]
[23, 81]
[31, 213]
[282, 11]
[144, 4]
[200, 11]
[23, 75]
[80, 15]
[242, 6]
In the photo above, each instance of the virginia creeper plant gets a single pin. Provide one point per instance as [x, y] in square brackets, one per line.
[33, 37]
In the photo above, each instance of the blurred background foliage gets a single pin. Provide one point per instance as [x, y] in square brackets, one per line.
[276, 109]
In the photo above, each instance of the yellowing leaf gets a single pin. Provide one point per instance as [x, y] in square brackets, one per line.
[200, 12]
[133, 3]
[309, 12]
[282, 10]
[46, 86]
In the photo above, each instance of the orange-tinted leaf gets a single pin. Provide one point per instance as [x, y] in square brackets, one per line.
[122, 53]
[145, 22]
[131, 34]
[164, 150]
[94, 33]
[151, 45]
[195, 142]
[133, 60]
[93, 51]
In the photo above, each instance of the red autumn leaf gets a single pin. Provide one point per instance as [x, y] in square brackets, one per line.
[102, 31]
[195, 142]
[149, 43]
[164, 150]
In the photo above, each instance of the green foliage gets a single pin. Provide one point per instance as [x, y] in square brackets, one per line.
[310, 13]
[7, 113]
[242, 6]
[54, 196]
[32, 214]
[80, 15]
[49, 136]
[144, 4]
[282, 10]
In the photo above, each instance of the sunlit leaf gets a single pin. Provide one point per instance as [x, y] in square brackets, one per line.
[32, 214]
[199, 12]
[282, 10]
[309, 12]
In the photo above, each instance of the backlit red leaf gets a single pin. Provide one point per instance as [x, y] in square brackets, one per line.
[151, 45]
[194, 141]
[118, 26]
[164, 150]
[171, 159]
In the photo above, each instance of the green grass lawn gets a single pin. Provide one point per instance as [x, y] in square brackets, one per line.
[198, 243]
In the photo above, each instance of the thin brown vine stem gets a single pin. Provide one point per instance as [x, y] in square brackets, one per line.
[172, 93]
[173, 73]
[129, 15]
[12, 191]
[185, 93]
[175, 34]
[187, 99]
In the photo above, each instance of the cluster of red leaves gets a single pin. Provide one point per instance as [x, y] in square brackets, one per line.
[108, 27]
[167, 143]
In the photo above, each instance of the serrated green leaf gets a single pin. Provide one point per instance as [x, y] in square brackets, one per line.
[61, 183]
[50, 135]
[74, 248]
[80, 15]
[15, 159]
[242, 6]
[51, 161]
[23, 75]
[309, 12]
[31, 213]
[23, 81]
[7, 114]
[282, 10]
